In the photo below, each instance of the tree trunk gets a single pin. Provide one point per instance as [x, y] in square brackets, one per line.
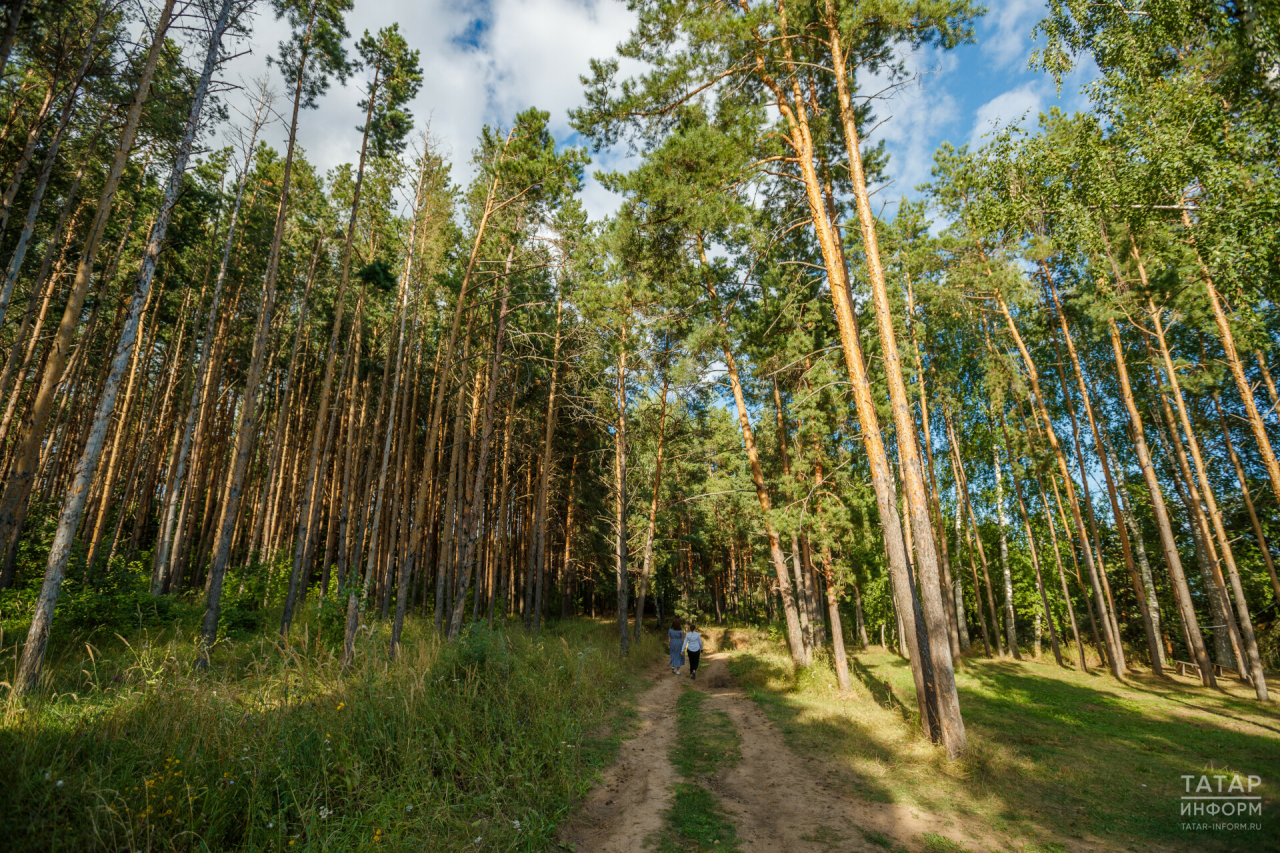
[1031, 545]
[1011, 634]
[541, 546]
[951, 725]
[73, 504]
[27, 453]
[653, 514]
[620, 502]
[795, 635]
[1115, 655]
[1253, 660]
[1248, 499]
[1180, 589]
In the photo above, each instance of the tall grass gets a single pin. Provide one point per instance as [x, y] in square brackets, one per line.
[484, 743]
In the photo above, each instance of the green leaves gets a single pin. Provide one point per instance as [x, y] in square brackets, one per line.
[314, 51]
[397, 77]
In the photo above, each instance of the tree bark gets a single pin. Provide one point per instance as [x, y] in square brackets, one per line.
[1174, 563]
[21, 479]
[82, 478]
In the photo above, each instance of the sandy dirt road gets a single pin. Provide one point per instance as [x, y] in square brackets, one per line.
[779, 801]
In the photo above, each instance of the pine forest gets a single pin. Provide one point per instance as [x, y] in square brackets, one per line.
[361, 506]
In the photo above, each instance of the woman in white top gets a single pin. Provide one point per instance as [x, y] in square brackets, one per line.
[693, 645]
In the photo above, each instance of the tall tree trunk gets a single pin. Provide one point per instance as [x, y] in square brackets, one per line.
[951, 725]
[1062, 575]
[620, 501]
[82, 478]
[1149, 608]
[1248, 499]
[21, 478]
[1181, 591]
[1245, 389]
[1253, 660]
[647, 569]
[962, 484]
[795, 635]
[799, 139]
[1115, 654]
[1229, 645]
[957, 588]
[541, 547]
[1031, 545]
[1011, 634]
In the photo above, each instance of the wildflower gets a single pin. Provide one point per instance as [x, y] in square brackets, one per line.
[271, 825]
[59, 783]
[516, 824]
[325, 811]
[408, 808]
[341, 705]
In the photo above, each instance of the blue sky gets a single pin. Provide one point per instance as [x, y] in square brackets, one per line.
[485, 61]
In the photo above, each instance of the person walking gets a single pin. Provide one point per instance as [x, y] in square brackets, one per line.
[675, 645]
[693, 645]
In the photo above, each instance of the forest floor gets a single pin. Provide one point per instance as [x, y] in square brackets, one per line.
[1058, 761]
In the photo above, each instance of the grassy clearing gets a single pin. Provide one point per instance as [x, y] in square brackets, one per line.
[483, 744]
[1054, 754]
[705, 741]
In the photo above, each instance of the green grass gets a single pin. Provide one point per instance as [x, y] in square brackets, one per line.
[696, 823]
[706, 741]
[877, 838]
[1053, 754]
[935, 843]
[486, 743]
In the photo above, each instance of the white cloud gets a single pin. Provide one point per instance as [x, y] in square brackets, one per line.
[1018, 106]
[908, 119]
[1009, 38]
[481, 63]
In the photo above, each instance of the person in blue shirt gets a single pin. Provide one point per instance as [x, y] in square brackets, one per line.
[675, 645]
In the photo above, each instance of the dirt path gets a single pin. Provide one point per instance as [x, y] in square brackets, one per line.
[779, 801]
[629, 805]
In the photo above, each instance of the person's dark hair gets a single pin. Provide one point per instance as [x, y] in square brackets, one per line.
[693, 628]
[675, 625]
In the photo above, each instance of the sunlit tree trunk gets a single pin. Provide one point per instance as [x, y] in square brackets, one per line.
[82, 477]
[1172, 560]
[1115, 655]
[1248, 499]
[27, 454]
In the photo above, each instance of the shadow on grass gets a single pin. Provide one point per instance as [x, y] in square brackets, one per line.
[881, 691]
[1050, 750]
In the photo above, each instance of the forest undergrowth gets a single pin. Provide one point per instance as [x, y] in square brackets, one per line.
[1054, 753]
[483, 743]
